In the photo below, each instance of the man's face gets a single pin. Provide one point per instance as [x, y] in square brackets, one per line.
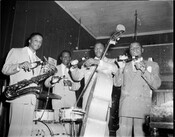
[98, 50]
[135, 49]
[65, 58]
[35, 42]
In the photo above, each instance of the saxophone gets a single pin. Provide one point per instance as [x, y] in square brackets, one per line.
[16, 90]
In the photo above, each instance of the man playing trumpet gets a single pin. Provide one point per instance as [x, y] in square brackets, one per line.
[137, 79]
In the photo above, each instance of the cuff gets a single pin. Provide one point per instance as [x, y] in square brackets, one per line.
[18, 69]
[101, 63]
[72, 69]
[70, 88]
[145, 74]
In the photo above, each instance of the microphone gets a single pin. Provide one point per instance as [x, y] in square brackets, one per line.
[78, 62]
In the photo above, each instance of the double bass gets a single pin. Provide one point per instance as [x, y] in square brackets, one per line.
[95, 121]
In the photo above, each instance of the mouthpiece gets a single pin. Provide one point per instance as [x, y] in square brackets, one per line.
[135, 57]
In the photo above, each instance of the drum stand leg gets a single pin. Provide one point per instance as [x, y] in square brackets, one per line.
[72, 129]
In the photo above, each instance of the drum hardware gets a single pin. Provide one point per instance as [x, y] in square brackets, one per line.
[72, 129]
[47, 99]
[70, 114]
[51, 96]
[44, 115]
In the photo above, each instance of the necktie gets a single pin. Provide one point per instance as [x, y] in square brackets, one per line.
[33, 59]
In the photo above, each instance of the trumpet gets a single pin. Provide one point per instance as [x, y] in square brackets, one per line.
[38, 63]
[56, 79]
[124, 58]
[78, 62]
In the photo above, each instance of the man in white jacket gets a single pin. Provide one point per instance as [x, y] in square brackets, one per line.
[63, 86]
[18, 66]
[107, 68]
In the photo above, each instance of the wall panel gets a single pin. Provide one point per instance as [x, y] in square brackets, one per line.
[18, 34]
[59, 29]
[144, 39]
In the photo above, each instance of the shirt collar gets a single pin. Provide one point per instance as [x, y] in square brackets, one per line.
[97, 58]
[63, 66]
[30, 51]
[138, 60]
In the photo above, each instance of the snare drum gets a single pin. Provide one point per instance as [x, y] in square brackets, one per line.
[44, 115]
[41, 129]
[71, 114]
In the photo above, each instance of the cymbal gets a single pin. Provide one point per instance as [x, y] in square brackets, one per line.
[51, 96]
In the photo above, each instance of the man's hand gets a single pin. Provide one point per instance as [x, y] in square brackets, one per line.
[67, 83]
[48, 67]
[91, 62]
[55, 79]
[140, 66]
[25, 65]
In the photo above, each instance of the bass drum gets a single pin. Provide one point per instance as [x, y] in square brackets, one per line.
[41, 129]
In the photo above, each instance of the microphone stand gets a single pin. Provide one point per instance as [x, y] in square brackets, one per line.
[135, 29]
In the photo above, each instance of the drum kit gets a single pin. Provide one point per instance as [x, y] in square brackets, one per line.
[44, 125]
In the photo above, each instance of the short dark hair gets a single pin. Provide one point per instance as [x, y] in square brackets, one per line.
[31, 36]
[60, 55]
[137, 43]
[98, 42]
[34, 34]
[65, 51]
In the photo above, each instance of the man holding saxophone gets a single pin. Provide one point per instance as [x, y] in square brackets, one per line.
[19, 66]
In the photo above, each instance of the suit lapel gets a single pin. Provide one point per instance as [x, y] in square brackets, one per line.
[129, 70]
[59, 72]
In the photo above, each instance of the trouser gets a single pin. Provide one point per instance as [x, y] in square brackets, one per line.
[21, 119]
[126, 124]
[56, 105]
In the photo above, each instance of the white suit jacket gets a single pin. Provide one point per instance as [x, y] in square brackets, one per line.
[14, 57]
[67, 93]
[106, 66]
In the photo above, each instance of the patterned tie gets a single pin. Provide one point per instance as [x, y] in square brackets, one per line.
[33, 59]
